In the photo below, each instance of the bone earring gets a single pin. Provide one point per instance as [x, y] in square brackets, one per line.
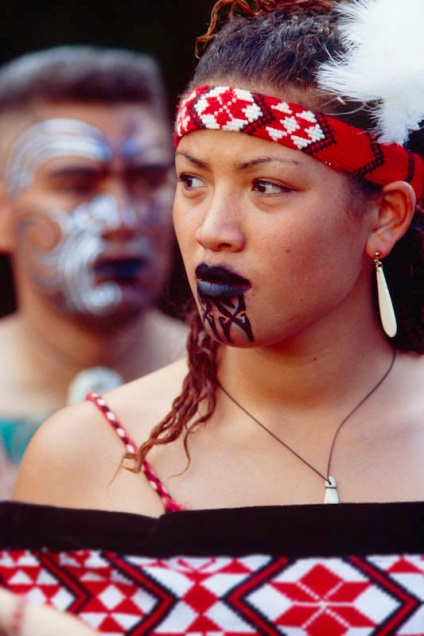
[385, 305]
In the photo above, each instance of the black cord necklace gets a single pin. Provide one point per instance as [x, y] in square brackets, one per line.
[331, 494]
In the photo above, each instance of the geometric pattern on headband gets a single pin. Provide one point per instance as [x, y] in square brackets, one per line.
[329, 140]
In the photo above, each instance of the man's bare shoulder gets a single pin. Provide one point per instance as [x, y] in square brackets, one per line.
[76, 454]
[163, 339]
[15, 398]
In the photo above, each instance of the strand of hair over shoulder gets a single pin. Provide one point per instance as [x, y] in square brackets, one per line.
[226, 10]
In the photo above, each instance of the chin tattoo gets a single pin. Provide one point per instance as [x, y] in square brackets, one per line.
[226, 318]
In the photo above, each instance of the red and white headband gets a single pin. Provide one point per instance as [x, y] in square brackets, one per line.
[337, 144]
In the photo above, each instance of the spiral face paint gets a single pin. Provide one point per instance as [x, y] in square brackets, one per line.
[104, 255]
[67, 267]
[49, 139]
[223, 307]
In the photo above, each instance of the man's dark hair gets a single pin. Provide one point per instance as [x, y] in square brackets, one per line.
[81, 73]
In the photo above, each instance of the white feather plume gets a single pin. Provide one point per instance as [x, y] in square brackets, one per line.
[384, 61]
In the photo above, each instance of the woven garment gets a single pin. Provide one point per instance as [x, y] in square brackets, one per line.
[212, 583]
[333, 142]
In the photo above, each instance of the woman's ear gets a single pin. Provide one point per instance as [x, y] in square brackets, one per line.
[396, 208]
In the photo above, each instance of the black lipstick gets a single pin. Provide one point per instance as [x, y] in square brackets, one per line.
[216, 281]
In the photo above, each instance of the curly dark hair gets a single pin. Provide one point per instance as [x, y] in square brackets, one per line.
[281, 43]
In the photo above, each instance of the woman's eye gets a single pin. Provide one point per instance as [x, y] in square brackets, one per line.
[189, 182]
[268, 187]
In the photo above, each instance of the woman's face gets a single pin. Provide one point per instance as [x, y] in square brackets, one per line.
[270, 242]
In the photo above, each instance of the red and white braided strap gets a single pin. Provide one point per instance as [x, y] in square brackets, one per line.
[337, 144]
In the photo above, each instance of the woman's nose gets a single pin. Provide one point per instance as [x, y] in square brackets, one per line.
[221, 227]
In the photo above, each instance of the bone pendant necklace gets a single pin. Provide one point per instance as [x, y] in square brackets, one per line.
[331, 495]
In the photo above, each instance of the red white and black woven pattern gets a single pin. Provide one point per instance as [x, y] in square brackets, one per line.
[335, 143]
[229, 596]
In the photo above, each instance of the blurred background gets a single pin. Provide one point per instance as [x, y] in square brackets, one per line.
[164, 28]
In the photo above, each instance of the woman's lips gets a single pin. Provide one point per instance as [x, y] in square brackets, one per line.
[216, 281]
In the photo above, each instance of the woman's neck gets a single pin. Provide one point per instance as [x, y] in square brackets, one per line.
[299, 379]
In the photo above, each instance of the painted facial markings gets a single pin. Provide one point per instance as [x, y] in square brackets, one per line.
[62, 247]
[49, 139]
[221, 294]
[67, 266]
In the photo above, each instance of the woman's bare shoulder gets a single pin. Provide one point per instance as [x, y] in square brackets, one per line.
[411, 371]
[142, 403]
[410, 381]
[74, 458]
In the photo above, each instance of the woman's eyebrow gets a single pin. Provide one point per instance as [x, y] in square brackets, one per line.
[197, 162]
[271, 159]
[243, 165]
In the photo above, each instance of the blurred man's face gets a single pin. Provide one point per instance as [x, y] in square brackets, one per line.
[92, 188]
